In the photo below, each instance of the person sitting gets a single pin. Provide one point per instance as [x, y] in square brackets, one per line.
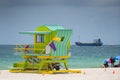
[118, 65]
[106, 64]
[112, 60]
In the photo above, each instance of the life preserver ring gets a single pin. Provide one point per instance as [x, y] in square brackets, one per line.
[56, 66]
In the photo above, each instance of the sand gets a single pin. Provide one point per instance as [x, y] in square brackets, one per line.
[87, 74]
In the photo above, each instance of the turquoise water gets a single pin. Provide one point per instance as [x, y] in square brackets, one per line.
[81, 57]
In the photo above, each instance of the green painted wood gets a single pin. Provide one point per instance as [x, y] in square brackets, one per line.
[48, 28]
[35, 32]
[62, 46]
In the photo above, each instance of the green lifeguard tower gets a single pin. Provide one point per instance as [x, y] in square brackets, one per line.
[48, 52]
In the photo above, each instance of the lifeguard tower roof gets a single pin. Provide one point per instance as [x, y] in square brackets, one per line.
[44, 29]
[52, 27]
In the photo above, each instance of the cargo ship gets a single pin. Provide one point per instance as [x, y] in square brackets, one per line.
[96, 42]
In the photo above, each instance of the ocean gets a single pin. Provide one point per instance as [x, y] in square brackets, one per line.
[81, 56]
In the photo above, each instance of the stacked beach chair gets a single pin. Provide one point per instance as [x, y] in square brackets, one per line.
[49, 52]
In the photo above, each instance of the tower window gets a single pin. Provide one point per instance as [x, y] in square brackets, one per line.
[40, 38]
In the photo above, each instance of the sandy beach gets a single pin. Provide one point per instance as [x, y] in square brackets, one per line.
[87, 74]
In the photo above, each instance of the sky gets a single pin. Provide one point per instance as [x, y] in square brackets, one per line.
[89, 19]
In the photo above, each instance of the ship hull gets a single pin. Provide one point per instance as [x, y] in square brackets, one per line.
[88, 44]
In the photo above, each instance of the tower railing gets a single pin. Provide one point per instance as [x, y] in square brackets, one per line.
[26, 48]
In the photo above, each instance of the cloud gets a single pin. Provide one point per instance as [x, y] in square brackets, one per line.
[92, 3]
[8, 3]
